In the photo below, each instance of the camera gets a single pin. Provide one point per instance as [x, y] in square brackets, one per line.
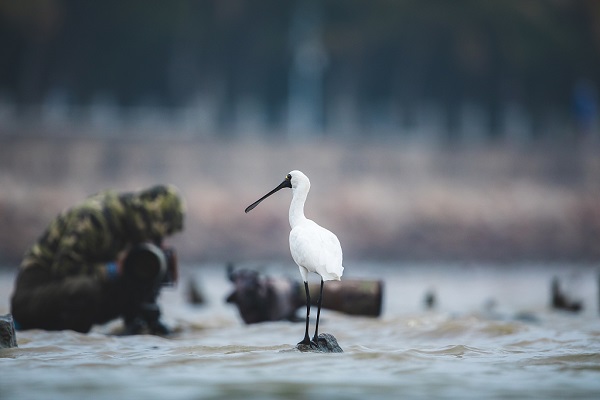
[147, 262]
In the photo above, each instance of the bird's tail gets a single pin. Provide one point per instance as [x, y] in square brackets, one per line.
[334, 275]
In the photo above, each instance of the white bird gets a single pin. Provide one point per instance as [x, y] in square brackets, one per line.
[313, 248]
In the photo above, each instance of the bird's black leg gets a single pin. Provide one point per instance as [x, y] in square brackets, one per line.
[306, 339]
[316, 337]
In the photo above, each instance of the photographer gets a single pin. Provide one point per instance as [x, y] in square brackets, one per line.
[100, 260]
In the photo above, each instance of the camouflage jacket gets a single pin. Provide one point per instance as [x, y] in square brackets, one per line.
[82, 239]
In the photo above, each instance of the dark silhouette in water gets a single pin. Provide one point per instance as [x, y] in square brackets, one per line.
[560, 301]
[430, 300]
[261, 298]
[194, 294]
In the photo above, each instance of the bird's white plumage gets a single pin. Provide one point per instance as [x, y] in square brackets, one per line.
[313, 248]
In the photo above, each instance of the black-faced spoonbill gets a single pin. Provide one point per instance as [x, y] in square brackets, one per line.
[313, 248]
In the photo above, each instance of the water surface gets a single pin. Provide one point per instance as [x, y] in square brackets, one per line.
[492, 335]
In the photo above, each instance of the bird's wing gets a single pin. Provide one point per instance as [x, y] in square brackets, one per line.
[317, 249]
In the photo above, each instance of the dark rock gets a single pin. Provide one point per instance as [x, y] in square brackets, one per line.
[327, 343]
[8, 338]
[560, 300]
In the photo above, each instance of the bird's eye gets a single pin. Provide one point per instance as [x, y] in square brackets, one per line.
[288, 177]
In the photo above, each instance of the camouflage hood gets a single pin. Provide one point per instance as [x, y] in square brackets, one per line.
[153, 213]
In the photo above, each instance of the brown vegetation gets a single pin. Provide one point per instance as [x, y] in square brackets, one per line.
[388, 200]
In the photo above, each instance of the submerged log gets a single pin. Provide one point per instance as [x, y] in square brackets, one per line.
[349, 296]
[326, 342]
[8, 338]
[262, 298]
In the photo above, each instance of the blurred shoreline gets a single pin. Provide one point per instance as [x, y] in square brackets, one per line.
[386, 200]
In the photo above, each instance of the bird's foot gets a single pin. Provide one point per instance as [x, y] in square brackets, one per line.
[307, 342]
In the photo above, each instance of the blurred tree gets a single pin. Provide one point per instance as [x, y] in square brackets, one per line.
[399, 52]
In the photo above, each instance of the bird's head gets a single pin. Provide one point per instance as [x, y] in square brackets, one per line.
[294, 180]
[299, 180]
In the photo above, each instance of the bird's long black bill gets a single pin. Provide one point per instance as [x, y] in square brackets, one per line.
[284, 184]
